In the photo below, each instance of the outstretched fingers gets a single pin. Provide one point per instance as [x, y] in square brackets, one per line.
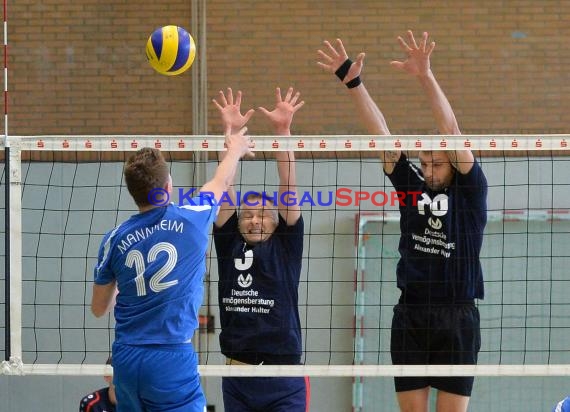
[241, 140]
[412, 40]
[397, 64]
[295, 97]
[330, 48]
[238, 98]
[423, 42]
[403, 45]
[332, 56]
[292, 98]
[228, 96]
[248, 115]
[324, 56]
[430, 48]
[341, 49]
[289, 95]
[327, 61]
[263, 110]
[218, 106]
[222, 98]
[297, 106]
[278, 97]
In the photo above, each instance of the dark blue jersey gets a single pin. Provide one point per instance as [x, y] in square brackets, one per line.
[158, 259]
[258, 294]
[97, 401]
[441, 235]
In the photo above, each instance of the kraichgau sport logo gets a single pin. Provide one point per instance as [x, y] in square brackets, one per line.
[158, 197]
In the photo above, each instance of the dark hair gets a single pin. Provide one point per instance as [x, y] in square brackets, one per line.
[144, 171]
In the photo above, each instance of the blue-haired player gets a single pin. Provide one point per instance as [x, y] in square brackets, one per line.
[259, 257]
[439, 271]
[153, 265]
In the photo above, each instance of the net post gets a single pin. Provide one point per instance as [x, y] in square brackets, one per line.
[8, 349]
[14, 249]
[357, 384]
[7, 345]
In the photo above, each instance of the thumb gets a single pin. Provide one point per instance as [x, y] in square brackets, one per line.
[397, 65]
[263, 110]
[248, 115]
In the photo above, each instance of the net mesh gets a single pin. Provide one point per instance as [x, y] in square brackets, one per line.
[347, 285]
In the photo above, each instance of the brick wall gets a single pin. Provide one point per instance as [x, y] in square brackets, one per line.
[79, 67]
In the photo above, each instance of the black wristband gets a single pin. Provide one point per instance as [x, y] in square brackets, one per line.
[354, 82]
[342, 71]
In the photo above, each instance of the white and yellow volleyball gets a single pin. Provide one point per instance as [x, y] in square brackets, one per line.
[170, 50]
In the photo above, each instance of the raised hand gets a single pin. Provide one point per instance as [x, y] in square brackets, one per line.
[282, 116]
[332, 58]
[230, 110]
[417, 63]
[239, 142]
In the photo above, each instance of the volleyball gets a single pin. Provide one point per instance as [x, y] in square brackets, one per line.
[170, 50]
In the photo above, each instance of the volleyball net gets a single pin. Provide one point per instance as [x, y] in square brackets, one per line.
[65, 192]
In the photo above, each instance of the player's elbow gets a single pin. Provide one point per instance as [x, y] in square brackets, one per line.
[103, 299]
[98, 309]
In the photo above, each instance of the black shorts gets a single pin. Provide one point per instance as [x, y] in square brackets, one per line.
[436, 334]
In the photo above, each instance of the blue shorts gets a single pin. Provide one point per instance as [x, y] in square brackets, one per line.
[261, 394]
[157, 378]
[436, 334]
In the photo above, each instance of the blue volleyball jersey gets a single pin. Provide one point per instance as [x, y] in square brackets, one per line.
[158, 261]
[258, 294]
[562, 406]
[441, 235]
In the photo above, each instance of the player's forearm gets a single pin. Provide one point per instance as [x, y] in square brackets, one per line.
[226, 171]
[440, 106]
[230, 188]
[368, 111]
[103, 299]
[289, 207]
[374, 122]
[233, 176]
[286, 170]
[224, 175]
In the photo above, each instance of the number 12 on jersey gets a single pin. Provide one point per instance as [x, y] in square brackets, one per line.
[135, 258]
